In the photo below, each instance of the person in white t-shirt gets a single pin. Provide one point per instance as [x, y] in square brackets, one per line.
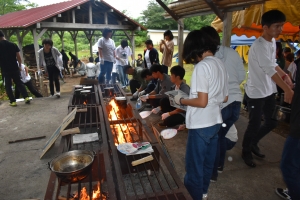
[122, 52]
[26, 79]
[293, 67]
[91, 69]
[231, 109]
[209, 89]
[107, 56]
[260, 88]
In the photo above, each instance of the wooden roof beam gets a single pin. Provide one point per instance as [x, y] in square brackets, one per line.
[213, 6]
[171, 13]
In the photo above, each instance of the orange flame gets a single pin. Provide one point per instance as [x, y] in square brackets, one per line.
[122, 131]
[96, 193]
[114, 115]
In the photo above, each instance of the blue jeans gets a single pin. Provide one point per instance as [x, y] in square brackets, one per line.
[106, 69]
[122, 75]
[230, 115]
[290, 166]
[199, 159]
[229, 144]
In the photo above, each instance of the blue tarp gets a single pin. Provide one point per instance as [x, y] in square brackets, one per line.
[241, 40]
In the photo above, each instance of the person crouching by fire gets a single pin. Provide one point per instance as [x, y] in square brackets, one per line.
[137, 83]
[173, 116]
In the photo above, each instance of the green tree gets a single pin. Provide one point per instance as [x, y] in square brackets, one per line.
[7, 6]
[153, 17]
[195, 23]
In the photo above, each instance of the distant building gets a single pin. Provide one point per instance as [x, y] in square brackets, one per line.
[157, 35]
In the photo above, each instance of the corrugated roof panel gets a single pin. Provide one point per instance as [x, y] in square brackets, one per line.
[26, 18]
[32, 16]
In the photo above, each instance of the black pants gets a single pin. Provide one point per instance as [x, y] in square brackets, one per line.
[53, 74]
[172, 120]
[16, 77]
[66, 66]
[31, 88]
[255, 130]
[134, 84]
[150, 87]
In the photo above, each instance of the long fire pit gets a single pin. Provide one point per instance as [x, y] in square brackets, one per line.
[155, 179]
[112, 175]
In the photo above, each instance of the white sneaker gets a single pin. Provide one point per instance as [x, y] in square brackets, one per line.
[51, 95]
[204, 197]
[57, 94]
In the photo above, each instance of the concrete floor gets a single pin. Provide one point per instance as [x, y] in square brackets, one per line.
[24, 176]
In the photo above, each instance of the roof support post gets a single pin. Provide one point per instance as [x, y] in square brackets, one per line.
[36, 38]
[105, 18]
[73, 17]
[227, 28]
[50, 34]
[89, 35]
[61, 36]
[8, 34]
[20, 41]
[90, 13]
[180, 43]
[133, 44]
[74, 37]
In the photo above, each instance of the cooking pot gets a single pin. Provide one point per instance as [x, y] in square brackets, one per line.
[109, 92]
[73, 165]
[121, 101]
[282, 114]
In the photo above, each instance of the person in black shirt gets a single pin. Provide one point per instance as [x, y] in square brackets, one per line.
[97, 58]
[74, 60]
[290, 161]
[9, 55]
[65, 60]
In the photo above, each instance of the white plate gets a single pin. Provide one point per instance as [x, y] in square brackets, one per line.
[87, 87]
[78, 86]
[168, 133]
[145, 114]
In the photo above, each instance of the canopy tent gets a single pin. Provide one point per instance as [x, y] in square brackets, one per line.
[241, 40]
[242, 45]
[248, 22]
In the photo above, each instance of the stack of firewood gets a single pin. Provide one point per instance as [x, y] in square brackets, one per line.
[29, 55]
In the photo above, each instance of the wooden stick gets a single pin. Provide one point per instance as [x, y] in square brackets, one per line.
[26, 139]
[82, 110]
[70, 131]
[142, 160]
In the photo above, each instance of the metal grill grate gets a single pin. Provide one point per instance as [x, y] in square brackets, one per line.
[117, 90]
[82, 100]
[101, 171]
